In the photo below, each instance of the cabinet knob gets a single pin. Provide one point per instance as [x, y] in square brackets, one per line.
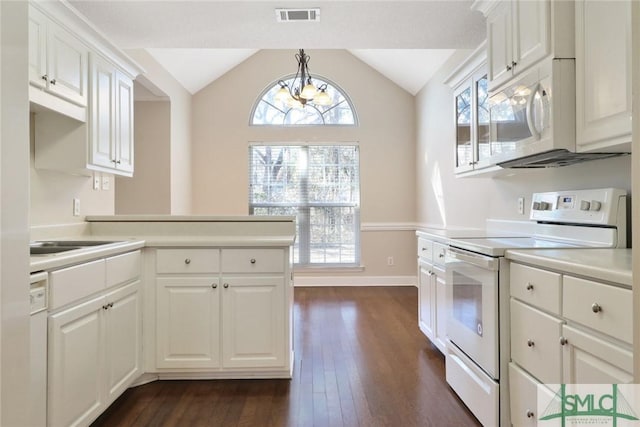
[45, 77]
[214, 285]
[110, 305]
[513, 63]
[508, 67]
[530, 413]
[530, 343]
[118, 162]
[441, 255]
[563, 341]
[595, 307]
[53, 81]
[529, 286]
[187, 261]
[105, 307]
[252, 261]
[226, 285]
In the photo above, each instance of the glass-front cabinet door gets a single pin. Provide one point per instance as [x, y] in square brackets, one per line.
[473, 148]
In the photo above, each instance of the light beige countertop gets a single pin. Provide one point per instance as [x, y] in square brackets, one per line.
[130, 232]
[611, 265]
[76, 256]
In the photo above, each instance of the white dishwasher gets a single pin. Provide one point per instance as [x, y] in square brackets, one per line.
[38, 352]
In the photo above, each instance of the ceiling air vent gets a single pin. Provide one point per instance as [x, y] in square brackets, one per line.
[298, 15]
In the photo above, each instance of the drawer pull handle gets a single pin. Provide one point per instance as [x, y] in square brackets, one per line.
[187, 261]
[252, 261]
[105, 307]
[530, 343]
[424, 249]
[214, 285]
[595, 307]
[529, 286]
[530, 413]
[226, 285]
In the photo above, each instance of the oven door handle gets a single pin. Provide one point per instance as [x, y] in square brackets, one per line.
[482, 261]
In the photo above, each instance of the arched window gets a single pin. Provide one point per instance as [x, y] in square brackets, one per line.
[270, 112]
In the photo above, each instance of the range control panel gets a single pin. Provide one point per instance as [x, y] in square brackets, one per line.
[598, 207]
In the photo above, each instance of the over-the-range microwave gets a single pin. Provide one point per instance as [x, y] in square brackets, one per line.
[533, 119]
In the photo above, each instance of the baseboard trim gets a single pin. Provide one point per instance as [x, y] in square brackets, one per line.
[302, 281]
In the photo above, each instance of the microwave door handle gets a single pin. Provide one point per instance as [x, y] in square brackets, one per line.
[530, 121]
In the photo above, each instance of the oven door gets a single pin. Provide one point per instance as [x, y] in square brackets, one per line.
[472, 298]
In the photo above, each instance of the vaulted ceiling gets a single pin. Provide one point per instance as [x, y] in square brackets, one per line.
[198, 41]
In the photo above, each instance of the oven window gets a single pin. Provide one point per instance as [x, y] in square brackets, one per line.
[467, 302]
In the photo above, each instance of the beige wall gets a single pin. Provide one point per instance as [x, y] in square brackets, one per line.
[149, 192]
[444, 200]
[386, 135]
[52, 193]
[180, 130]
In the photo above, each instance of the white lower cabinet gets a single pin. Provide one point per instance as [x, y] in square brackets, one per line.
[188, 322]
[224, 311]
[564, 329]
[94, 355]
[253, 319]
[94, 338]
[432, 312]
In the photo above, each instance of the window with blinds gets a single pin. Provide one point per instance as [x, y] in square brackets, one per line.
[320, 186]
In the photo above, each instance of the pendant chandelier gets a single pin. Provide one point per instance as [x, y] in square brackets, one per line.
[301, 90]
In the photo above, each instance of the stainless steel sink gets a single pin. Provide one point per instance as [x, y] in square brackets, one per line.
[49, 247]
[49, 250]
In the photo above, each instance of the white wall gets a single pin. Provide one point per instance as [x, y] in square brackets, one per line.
[444, 200]
[180, 130]
[14, 222]
[386, 135]
[149, 191]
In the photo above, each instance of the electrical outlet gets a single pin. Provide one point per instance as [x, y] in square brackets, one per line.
[106, 182]
[521, 205]
[390, 261]
[76, 207]
[96, 181]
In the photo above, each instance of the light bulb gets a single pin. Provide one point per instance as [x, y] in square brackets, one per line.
[309, 91]
[322, 98]
[283, 95]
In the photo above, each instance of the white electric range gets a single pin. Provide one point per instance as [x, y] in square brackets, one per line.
[478, 290]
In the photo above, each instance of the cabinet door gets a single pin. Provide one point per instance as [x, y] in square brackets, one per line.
[531, 30]
[588, 359]
[123, 337]
[37, 48]
[463, 97]
[603, 73]
[76, 361]
[426, 296]
[499, 44]
[102, 113]
[441, 309]
[253, 319]
[67, 65]
[124, 124]
[187, 322]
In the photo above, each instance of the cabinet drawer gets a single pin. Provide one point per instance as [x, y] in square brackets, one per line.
[535, 342]
[123, 268]
[73, 283]
[439, 253]
[425, 248]
[537, 287]
[605, 308]
[523, 393]
[252, 260]
[191, 260]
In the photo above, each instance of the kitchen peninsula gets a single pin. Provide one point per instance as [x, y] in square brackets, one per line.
[203, 297]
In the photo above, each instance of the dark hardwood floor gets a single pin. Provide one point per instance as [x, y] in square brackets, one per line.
[360, 360]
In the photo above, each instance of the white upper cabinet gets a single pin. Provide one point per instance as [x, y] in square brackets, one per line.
[111, 118]
[88, 124]
[522, 32]
[603, 75]
[57, 59]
